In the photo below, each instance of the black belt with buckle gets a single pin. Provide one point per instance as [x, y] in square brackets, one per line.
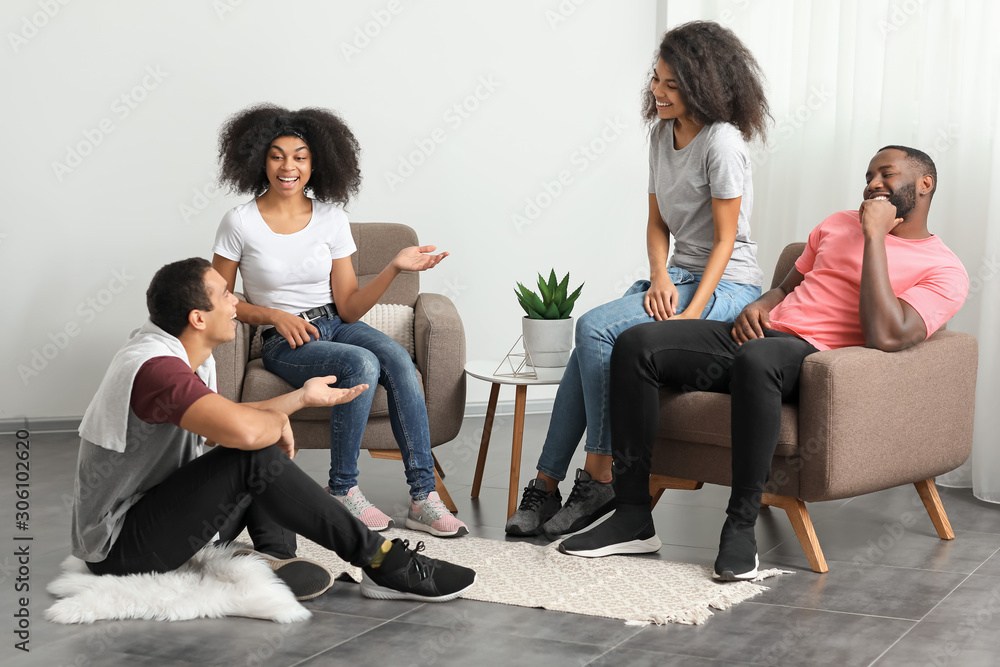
[328, 310]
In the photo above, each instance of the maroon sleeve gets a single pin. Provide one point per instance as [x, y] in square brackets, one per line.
[163, 390]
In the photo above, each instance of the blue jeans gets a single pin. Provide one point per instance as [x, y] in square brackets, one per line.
[358, 354]
[583, 399]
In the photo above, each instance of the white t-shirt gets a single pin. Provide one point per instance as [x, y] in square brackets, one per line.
[290, 272]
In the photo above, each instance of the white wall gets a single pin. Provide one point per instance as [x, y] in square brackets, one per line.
[138, 91]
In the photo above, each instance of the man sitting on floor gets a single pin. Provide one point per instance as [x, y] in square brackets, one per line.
[873, 277]
[145, 501]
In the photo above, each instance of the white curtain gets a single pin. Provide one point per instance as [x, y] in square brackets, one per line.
[846, 78]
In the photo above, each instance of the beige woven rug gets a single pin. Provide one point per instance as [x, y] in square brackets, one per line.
[635, 589]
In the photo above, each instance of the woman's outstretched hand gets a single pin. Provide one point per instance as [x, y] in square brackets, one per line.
[417, 258]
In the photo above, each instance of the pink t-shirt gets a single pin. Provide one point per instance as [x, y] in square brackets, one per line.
[825, 307]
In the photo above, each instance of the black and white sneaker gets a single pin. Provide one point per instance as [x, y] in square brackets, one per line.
[737, 560]
[406, 574]
[537, 506]
[589, 502]
[628, 531]
[306, 578]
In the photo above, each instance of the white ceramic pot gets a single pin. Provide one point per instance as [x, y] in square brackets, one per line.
[549, 342]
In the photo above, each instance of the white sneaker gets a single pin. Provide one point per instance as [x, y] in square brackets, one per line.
[359, 507]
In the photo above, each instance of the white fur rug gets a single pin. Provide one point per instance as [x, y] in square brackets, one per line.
[212, 584]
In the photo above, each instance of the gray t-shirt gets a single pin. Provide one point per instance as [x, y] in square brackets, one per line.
[716, 164]
[108, 482]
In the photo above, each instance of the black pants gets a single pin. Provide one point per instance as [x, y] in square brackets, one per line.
[213, 493]
[700, 355]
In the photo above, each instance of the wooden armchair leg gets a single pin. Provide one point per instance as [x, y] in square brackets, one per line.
[396, 455]
[658, 483]
[802, 524]
[932, 503]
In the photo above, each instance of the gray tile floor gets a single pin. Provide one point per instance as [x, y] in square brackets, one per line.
[895, 593]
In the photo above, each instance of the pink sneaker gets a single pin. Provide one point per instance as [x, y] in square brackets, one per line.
[358, 506]
[431, 516]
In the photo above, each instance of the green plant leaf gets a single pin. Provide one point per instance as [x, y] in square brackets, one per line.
[552, 312]
[561, 290]
[532, 300]
[521, 302]
[567, 306]
[544, 290]
[552, 283]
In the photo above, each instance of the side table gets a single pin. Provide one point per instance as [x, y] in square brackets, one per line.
[484, 370]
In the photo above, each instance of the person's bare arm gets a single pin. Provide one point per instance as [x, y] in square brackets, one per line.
[888, 322]
[661, 297]
[315, 392]
[353, 302]
[755, 317]
[229, 424]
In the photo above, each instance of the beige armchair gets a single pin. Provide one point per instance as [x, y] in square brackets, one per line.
[866, 420]
[439, 341]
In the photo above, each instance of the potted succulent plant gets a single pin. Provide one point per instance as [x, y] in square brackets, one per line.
[547, 325]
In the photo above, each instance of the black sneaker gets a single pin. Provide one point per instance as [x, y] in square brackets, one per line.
[305, 578]
[737, 560]
[405, 574]
[589, 502]
[628, 531]
[537, 507]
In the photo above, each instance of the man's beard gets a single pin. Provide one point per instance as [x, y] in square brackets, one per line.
[904, 199]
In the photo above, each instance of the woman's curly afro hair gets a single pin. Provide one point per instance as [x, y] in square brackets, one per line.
[717, 76]
[246, 137]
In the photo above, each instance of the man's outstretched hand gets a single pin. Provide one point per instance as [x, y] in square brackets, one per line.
[317, 392]
[751, 323]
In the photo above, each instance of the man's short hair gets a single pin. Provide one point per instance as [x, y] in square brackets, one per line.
[175, 291]
[919, 159]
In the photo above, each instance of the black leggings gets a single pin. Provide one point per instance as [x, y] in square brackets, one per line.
[177, 517]
[699, 355]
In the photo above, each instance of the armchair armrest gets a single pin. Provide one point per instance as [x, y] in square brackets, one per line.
[439, 342]
[231, 360]
[871, 420]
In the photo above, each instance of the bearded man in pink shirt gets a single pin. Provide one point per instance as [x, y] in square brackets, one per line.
[874, 277]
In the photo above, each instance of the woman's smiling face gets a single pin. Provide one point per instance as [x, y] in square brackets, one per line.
[288, 165]
[669, 103]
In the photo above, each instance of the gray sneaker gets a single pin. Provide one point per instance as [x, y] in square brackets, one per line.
[589, 501]
[537, 507]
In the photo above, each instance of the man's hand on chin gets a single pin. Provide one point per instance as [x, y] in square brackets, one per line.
[878, 217]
